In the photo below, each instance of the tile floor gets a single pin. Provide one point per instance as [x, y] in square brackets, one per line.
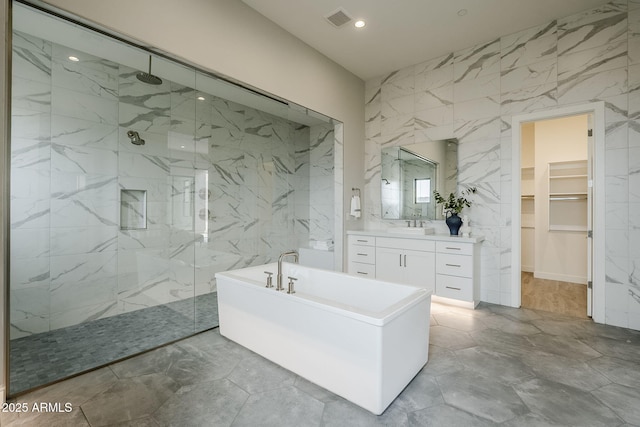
[491, 366]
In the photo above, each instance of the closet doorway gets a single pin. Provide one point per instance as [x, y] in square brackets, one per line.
[556, 215]
[558, 175]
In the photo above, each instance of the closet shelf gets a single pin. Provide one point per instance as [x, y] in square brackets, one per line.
[568, 196]
[567, 228]
[567, 176]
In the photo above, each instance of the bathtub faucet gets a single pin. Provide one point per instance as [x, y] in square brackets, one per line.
[279, 286]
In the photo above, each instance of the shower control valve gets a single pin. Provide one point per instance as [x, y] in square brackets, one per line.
[269, 279]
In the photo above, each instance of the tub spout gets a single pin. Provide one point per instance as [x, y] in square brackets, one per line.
[294, 254]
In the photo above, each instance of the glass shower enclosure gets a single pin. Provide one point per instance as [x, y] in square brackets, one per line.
[134, 179]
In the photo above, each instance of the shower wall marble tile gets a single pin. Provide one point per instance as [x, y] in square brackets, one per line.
[474, 93]
[31, 186]
[227, 186]
[320, 207]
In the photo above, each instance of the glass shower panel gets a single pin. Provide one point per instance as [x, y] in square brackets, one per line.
[206, 303]
[129, 192]
[103, 202]
[156, 266]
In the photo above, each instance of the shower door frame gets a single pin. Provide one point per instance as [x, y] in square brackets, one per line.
[5, 161]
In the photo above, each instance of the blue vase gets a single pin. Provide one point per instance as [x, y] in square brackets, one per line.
[454, 222]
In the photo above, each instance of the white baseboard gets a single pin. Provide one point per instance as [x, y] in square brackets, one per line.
[561, 277]
[527, 268]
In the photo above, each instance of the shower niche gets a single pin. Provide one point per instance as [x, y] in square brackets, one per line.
[133, 209]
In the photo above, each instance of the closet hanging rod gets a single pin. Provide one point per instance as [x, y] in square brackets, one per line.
[568, 198]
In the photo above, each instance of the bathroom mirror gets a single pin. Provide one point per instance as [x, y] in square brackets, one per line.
[410, 174]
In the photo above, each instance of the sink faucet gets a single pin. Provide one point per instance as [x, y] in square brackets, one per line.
[279, 286]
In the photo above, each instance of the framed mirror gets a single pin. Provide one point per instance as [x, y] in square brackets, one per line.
[410, 174]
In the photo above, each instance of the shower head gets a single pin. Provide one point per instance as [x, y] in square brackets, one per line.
[148, 77]
[135, 138]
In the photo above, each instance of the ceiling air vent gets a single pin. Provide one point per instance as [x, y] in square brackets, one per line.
[338, 17]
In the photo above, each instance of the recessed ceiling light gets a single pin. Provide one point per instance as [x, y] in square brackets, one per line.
[462, 12]
[201, 98]
[73, 58]
[360, 23]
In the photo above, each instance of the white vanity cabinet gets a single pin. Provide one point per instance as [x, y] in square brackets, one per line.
[407, 261]
[362, 256]
[449, 266]
[457, 269]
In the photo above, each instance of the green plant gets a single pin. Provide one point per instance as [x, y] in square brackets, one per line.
[455, 204]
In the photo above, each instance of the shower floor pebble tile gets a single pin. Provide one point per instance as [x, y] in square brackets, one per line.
[46, 357]
[173, 385]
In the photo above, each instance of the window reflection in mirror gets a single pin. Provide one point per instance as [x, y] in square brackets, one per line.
[422, 190]
[411, 173]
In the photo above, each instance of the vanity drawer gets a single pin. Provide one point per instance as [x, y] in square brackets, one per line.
[456, 265]
[460, 288]
[362, 270]
[362, 254]
[362, 240]
[406, 244]
[454, 248]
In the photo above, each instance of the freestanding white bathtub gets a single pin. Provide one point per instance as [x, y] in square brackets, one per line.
[362, 339]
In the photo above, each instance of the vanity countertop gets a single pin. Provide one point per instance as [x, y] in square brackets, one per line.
[441, 237]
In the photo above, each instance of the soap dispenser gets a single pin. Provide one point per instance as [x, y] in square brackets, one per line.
[465, 229]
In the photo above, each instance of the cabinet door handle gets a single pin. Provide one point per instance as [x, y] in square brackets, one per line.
[359, 254]
[363, 241]
[363, 273]
[405, 260]
[451, 287]
[453, 248]
[400, 260]
[452, 265]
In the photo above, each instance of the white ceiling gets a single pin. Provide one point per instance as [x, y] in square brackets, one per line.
[400, 33]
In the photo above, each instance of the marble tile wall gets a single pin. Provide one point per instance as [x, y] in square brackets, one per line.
[390, 188]
[321, 183]
[227, 186]
[472, 95]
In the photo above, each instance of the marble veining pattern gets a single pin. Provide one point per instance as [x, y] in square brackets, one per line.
[226, 186]
[473, 94]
